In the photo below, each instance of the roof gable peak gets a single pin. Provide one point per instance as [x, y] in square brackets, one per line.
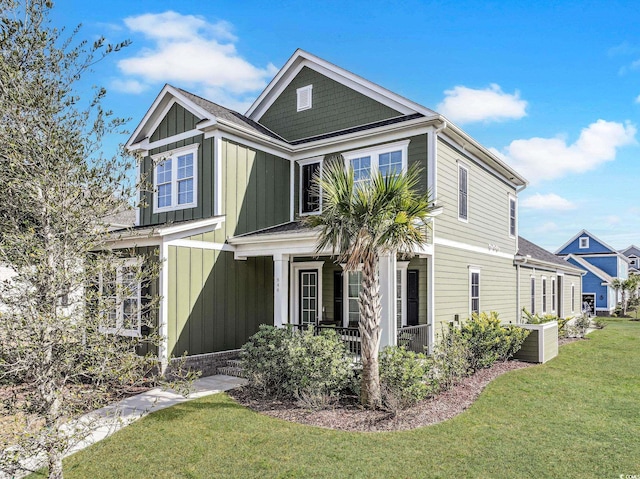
[301, 59]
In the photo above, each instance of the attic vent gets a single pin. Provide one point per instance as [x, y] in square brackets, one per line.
[304, 97]
[584, 242]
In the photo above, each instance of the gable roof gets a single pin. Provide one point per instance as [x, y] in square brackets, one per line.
[533, 252]
[301, 58]
[632, 250]
[592, 236]
[589, 267]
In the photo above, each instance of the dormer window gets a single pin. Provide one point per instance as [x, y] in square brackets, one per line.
[584, 242]
[304, 97]
[175, 179]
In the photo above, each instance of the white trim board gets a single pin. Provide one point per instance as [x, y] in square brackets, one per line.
[467, 247]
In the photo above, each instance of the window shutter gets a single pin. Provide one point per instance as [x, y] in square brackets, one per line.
[304, 97]
[337, 297]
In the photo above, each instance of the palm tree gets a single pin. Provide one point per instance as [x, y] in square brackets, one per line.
[358, 223]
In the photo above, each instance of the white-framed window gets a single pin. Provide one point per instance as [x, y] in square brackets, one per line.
[463, 192]
[513, 216]
[544, 295]
[533, 295]
[553, 294]
[304, 97]
[176, 179]
[352, 293]
[584, 242]
[310, 195]
[474, 290]
[121, 297]
[573, 298]
[390, 158]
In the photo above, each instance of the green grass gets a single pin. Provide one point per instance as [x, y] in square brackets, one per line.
[576, 416]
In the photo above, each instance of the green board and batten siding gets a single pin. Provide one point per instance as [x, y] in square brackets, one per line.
[255, 184]
[215, 302]
[334, 107]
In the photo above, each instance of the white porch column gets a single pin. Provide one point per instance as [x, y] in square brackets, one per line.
[280, 289]
[387, 274]
[431, 303]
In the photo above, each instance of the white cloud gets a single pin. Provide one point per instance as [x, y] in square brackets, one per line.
[550, 201]
[466, 105]
[613, 220]
[638, 99]
[548, 227]
[128, 86]
[540, 159]
[195, 54]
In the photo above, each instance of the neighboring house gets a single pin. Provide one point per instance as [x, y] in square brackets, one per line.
[633, 254]
[548, 284]
[229, 191]
[602, 263]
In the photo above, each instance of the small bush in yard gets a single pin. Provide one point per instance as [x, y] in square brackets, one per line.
[319, 367]
[450, 359]
[490, 341]
[599, 323]
[403, 377]
[286, 363]
[264, 360]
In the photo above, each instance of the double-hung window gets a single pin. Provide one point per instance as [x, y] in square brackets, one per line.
[310, 192]
[512, 216]
[387, 159]
[463, 192]
[176, 179]
[474, 290]
[121, 300]
[544, 295]
[533, 295]
[553, 294]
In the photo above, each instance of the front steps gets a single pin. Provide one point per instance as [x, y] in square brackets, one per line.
[233, 367]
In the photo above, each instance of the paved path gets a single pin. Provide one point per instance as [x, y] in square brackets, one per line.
[104, 422]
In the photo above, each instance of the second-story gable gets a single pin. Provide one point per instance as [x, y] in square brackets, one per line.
[329, 106]
[584, 243]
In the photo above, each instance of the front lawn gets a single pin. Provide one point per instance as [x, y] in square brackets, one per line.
[576, 416]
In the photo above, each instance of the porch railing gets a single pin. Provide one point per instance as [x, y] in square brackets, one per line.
[414, 338]
[350, 336]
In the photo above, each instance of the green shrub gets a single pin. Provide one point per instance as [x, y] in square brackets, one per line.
[546, 318]
[599, 323]
[319, 367]
[581, 325]
[450, 359]
[403, 377]
[286, 363]
[265, 360]
[489, 341]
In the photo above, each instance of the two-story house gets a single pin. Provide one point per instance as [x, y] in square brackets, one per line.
[602, 264]
[229, 192]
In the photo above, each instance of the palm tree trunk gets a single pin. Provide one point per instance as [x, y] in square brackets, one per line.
[369, 325]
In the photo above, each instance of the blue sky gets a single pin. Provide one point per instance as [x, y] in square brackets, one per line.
[552, 86]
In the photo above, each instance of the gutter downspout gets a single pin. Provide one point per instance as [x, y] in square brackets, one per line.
[519, 260]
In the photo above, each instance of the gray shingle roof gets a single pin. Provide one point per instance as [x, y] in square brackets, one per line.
[227, 114]
[527, 248]
[291, 227]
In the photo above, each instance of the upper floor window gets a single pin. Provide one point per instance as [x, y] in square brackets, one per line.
[474, 290]
[176, 179]
[512, 216]
[584, 242]
[304, 97]
[387, 159]
[310, 193]
[463, 190]
[120, 292]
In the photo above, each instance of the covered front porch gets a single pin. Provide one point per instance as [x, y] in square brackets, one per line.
[314, 290]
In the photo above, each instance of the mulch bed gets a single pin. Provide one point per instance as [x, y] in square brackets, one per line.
[349, 416]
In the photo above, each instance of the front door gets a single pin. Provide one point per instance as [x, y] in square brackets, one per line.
[308, 295]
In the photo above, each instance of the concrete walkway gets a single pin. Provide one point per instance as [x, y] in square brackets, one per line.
[104, 422]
